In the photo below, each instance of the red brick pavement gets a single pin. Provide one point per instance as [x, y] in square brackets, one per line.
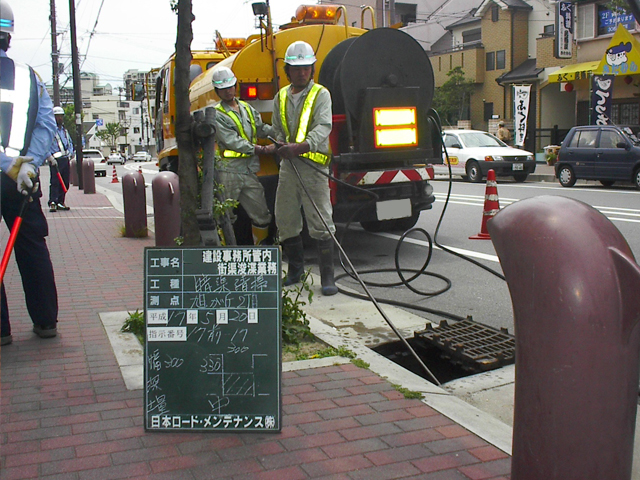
[65, 412]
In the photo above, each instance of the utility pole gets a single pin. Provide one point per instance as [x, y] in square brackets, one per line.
[55, 56]
[77, 91]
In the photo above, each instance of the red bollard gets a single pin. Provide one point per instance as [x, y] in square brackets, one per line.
[73, 172]
[135, 205]
[574, 286]
[88, 177]
[165, 189]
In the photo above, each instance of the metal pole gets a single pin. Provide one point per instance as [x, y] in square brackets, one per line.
[55, 56]
[77, 90]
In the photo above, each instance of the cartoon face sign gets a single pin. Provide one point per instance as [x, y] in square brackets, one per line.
[617, 55]
[603, 83]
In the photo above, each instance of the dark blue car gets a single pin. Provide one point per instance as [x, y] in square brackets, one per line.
[607, 153]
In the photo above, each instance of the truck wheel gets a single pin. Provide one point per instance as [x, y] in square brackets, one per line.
[566, 177]
[473, 172]
[520, 177]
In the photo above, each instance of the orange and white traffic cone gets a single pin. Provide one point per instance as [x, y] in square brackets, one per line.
[114, 178]
[491, 206]
[140, 169]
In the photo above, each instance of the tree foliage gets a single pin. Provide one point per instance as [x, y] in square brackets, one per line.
[452, 99]
[70, 122]
[110, 134]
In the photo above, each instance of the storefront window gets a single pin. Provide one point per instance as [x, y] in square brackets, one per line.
[625, 113]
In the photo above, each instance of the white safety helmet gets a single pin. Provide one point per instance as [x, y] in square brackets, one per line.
[58, 111]
[299, 54]
[223, 77]
[6, 17]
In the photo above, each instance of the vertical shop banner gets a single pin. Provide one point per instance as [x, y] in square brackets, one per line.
[564, 30]
[601, 93]
[521, 95]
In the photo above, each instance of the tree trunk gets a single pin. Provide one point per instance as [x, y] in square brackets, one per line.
[187, 168]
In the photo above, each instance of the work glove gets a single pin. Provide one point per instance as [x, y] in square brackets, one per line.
[25, 175]
[292, 150]
[14, 168]
[265, 150]
[52, 161]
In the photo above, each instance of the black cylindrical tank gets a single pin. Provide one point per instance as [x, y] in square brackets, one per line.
[383, 57]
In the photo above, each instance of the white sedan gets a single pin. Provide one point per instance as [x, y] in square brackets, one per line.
[472, 153]
[116, 158]
[141, 157]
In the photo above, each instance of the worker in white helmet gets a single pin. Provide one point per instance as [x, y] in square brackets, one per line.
[238, 127]
[61, 153]
[27, 127]
[302, 121]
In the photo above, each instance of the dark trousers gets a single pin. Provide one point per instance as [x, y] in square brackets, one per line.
[56, 193]
[32, 257]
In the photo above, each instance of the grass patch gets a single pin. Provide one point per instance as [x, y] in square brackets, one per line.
[408, 394]
[302, 354]
[135, 324]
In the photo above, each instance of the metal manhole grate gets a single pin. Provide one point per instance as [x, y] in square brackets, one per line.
[471, 344]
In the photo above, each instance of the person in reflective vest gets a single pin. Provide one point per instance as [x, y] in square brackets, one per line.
[238, 127]
[61, 152]
[27, 127]
[302, 121]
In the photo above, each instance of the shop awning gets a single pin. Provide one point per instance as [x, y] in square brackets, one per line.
[577, 71]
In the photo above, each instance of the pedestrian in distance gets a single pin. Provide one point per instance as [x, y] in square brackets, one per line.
[27, 128]
[61, 153]
[302, 121]
[238, 128]
[503, 133]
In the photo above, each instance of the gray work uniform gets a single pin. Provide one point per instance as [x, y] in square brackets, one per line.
[290, 194]
[238, 175]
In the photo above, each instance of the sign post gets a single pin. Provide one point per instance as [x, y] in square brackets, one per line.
[213, 348]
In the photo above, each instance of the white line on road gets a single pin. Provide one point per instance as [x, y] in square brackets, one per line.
[424, 243]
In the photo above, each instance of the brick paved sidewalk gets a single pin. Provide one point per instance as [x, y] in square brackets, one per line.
[66, 413]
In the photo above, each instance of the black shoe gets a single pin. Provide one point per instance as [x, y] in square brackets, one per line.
[6, 340]
[63, 207]
[52, 207]
[45, 331]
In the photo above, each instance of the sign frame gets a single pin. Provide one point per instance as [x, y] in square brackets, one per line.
[213, 349]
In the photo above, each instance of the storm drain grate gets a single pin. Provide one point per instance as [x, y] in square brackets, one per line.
[470, 344]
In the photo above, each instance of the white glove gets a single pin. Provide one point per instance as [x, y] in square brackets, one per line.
[24, 180]
[14, 168]
[52, 161]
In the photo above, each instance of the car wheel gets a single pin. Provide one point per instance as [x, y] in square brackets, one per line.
[520, 177]
[636, 178]
[607, 183]
[473, 172]
[566, 176]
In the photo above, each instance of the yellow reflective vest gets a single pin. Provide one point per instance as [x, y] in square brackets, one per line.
[303, 124]
[236, 120]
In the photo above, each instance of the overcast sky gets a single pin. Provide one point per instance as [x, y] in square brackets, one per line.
[138, 34]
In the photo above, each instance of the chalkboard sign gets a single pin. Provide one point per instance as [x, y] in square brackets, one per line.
[213, 328]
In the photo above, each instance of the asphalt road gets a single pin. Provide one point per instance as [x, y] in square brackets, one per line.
[473, 291]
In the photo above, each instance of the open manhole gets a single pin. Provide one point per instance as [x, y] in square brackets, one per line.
[453, 350]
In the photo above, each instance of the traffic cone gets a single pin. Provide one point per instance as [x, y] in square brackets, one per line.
[114, 178]
[491, 206]
[140, 169]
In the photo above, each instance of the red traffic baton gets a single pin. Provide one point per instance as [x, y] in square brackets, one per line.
[12, 237]
[64, 187]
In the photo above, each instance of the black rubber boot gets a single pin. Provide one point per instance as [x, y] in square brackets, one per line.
[325, 259]
[294, 250]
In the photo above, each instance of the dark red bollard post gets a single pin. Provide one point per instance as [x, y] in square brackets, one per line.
[165, 188]
[73, 173]
[88, 177]
[135, 205]
[574, 286]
